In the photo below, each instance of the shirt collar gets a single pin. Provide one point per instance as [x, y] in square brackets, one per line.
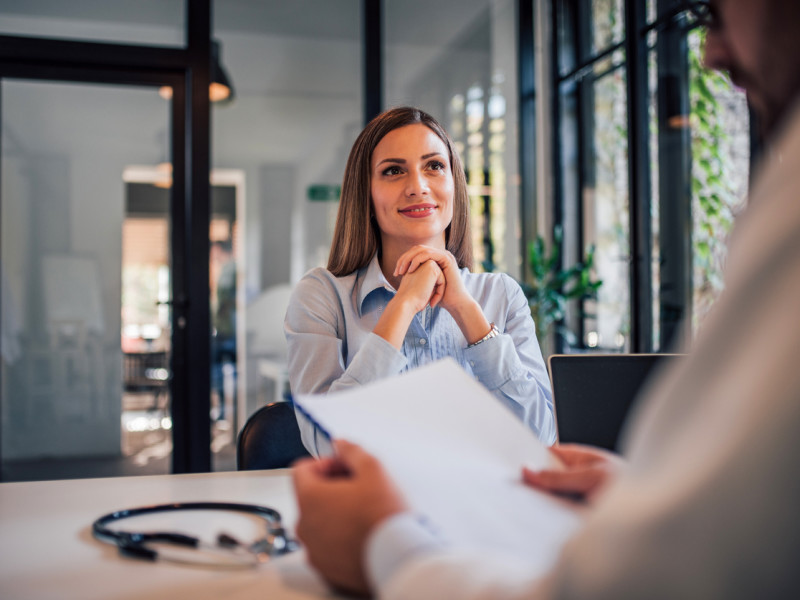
[372, 279]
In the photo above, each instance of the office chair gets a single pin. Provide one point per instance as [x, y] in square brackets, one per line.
[594, 393]
[270, 439]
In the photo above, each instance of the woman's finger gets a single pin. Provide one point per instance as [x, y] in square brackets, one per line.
[411, 260]
[438, 291]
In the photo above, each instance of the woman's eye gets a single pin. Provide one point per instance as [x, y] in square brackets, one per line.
[391, 170]
[436, 165]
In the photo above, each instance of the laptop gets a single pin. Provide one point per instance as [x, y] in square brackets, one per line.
[593, 393]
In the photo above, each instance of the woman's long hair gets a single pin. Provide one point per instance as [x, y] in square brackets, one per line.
[356, 236]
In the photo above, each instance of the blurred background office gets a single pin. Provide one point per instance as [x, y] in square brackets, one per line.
[137, 138]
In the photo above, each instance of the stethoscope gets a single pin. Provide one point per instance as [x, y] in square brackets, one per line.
[136, 544]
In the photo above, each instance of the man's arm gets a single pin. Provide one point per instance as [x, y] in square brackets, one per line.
[341, 500]
[361, 536]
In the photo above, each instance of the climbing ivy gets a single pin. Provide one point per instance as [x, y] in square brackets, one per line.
[715, 196]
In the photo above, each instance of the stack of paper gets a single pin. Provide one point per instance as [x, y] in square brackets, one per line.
[457, 453]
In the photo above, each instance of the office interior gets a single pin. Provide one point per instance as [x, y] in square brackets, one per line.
[170, 168]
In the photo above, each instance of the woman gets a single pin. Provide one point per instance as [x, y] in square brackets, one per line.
[398, 292]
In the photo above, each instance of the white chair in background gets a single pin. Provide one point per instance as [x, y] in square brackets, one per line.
[266, 348]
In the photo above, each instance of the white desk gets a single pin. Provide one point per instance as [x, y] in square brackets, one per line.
[47, 549]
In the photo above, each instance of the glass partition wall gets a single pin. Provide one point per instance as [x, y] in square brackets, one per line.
[85, 272]
[87, 176]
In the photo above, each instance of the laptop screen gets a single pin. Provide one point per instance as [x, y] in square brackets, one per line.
[593, 393]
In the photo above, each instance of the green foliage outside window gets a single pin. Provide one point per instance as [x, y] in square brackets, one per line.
[716, 193]
[552, 286]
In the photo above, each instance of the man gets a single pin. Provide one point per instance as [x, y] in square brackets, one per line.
[707, 503]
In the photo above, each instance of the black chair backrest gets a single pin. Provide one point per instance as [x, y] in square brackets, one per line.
[270, 439]
[593, 393]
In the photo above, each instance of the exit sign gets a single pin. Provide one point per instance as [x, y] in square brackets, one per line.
[324, 192]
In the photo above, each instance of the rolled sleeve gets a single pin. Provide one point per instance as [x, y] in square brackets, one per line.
[495, 361]
[511, 365]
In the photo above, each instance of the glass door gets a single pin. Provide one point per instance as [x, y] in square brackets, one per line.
[85, 282]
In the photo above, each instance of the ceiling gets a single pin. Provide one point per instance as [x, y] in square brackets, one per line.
[405, 22]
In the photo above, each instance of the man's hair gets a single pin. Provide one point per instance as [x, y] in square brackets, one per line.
[356, 236]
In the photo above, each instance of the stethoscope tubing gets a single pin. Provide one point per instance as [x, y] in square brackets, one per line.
[133, 543]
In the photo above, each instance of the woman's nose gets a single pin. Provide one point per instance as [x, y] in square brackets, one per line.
[416, 184]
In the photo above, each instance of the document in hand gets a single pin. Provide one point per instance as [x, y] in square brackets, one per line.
[456, 453]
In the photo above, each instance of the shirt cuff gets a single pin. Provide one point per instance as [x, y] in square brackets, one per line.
[495, 361]
[398, 539]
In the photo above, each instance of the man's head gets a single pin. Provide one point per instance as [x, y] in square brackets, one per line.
[758, 43]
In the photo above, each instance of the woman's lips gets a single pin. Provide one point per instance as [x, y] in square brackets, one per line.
[418, 210]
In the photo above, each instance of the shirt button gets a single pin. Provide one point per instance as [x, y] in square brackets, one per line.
[422, 341]
[472, 363]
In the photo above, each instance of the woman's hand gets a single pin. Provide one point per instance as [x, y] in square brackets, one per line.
[454, 291]
[417, 290]
[588, 470]
[425, 285]
[455, 298]
[341, 500]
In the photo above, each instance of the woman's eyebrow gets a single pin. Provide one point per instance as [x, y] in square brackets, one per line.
[392, 160]
[403, 160]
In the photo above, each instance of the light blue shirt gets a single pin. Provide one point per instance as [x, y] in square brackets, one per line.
[329, 326]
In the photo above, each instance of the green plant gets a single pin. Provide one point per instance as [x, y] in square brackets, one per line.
[715, 194]
[552, 286]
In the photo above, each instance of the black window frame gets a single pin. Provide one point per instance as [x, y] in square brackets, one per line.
[669, 306]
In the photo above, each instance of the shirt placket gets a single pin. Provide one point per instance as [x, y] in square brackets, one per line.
[418, 337]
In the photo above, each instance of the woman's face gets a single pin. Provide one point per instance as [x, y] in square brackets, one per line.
[412, 188]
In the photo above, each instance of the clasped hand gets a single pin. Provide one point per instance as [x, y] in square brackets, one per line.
[431, 276]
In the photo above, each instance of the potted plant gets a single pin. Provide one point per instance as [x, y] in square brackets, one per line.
[552, 286]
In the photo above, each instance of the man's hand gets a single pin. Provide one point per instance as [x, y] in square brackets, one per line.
[341, 500]
[588, 470]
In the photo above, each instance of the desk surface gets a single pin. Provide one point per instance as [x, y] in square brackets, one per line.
[47, 549]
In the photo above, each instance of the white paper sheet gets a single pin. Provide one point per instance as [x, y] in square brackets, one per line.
[457, 453]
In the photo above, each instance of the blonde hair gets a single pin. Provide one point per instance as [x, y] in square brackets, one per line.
[356, 236]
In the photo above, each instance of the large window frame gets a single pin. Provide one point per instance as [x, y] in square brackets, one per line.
[656, 310]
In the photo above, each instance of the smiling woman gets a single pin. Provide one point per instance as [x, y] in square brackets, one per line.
[398, 292]
[412, 191]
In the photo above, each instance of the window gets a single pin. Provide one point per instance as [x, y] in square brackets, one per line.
[640, 149]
